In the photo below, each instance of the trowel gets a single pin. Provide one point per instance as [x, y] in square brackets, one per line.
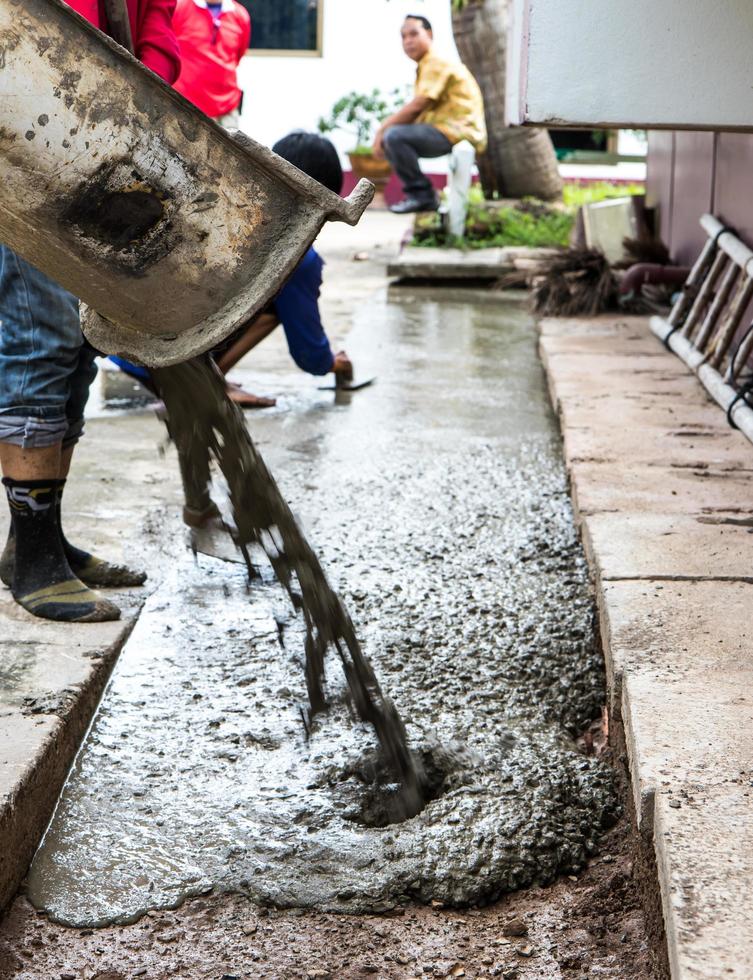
[215, 539]
[348, 385]
[172, 231]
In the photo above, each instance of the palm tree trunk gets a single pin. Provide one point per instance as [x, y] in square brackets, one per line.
[519, 161]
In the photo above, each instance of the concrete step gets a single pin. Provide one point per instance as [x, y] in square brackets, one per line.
[662, 489]
[415, 262]
[51, 679]
[52, 675]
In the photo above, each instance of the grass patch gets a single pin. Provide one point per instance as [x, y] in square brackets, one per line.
[576, 195]
[527, 223]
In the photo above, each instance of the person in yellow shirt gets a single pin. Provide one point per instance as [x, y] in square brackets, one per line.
[447, 107]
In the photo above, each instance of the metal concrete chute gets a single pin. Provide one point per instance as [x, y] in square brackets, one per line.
[174, 231]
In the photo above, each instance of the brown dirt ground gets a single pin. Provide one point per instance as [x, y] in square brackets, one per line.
[576, 929]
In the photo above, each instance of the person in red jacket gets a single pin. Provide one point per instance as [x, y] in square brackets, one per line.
[213, 37]
[46, 369]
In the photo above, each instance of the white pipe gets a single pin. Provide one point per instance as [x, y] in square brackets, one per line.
[722, 393]
[728, 242]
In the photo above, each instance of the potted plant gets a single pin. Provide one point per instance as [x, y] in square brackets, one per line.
[361, 113]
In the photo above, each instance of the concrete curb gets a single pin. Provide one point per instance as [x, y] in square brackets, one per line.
[661, 488]
[41, 732]
[123, 502]
[417, 262]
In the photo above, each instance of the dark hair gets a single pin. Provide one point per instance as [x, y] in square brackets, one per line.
[314, 155]
[425, 22]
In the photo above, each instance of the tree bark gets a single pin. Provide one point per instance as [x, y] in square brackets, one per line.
[519, 161]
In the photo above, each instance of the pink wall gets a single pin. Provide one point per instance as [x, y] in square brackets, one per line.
[693, 172]
[393, 192]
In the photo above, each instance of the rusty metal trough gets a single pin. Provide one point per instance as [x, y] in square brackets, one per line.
[174, 231]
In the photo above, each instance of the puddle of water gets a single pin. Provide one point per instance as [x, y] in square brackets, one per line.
[438, 502]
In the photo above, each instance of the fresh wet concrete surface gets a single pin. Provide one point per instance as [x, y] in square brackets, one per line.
[438, 501]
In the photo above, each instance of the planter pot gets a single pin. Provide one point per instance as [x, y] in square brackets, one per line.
[377, 171]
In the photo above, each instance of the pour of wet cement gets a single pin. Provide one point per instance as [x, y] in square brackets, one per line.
[206, 425]
[438, 499]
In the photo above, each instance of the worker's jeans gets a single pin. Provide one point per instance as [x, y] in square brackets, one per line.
[46, 366]
[404, 146]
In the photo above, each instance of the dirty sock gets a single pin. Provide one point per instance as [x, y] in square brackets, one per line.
[8, 559]
[43, 582]
[92, 570]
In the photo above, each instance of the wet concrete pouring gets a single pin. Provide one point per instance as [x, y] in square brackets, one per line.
[437, 501]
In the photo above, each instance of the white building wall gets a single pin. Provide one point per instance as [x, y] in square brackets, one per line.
[361, 51]
[646, 63]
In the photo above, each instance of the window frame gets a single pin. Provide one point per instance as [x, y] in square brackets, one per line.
[318, 52]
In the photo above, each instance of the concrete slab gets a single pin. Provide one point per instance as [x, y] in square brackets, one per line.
[708, 881]
[631, 486]
[609, 325]
[674, 627]
[680, 676]
[662, 490]
[686, 727]
[625, 410]
[455, 263]
[727, 450]
[624, 342]
[666, 546]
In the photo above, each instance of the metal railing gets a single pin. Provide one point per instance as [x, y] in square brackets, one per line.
[706, 320]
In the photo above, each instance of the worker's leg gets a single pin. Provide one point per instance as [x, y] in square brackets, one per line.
[403, 146]
[91, 570]
[40, 339]
[244, 341]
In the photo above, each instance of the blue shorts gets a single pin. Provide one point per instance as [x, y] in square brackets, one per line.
[46, 366]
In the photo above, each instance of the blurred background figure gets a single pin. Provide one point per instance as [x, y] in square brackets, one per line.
[213, 38]
[447, 107]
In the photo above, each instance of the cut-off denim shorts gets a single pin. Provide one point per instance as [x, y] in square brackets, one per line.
[46, 365]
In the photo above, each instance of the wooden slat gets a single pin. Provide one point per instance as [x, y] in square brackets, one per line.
[705, 293]
[715, 310]
[693, 284]
[731, 322]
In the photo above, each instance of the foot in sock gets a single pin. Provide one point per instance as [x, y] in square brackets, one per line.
[43, 582]
[93, 571]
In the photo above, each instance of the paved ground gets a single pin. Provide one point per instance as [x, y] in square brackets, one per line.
[587, 926]
[662, 488]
